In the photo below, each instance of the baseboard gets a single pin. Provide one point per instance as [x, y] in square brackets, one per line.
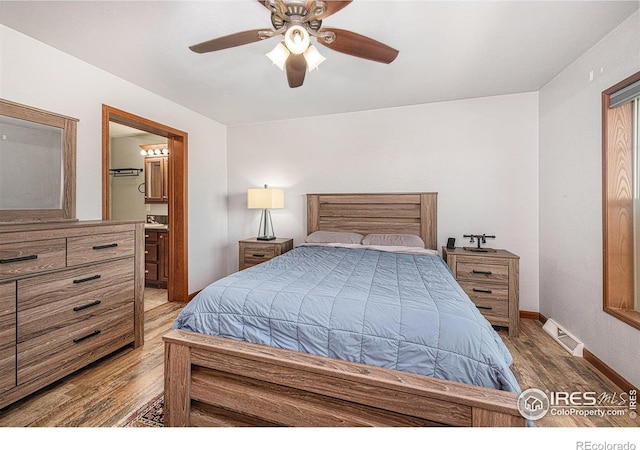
[592, 359]
[194, 294]
[533, 315]
[608, 371]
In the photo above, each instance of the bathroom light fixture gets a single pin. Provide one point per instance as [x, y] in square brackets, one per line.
[265, 199]
[154, 150]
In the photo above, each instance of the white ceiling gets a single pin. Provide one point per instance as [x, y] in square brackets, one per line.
[448, 50]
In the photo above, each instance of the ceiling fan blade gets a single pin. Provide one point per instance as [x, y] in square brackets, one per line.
[231, 40]
[355, 44]
[296, 70]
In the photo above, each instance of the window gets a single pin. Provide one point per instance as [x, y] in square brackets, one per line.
[621, 200]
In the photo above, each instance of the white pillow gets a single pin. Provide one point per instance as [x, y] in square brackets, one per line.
[334, 237]
[397, 240]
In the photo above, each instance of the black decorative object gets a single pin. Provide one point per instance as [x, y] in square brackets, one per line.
[481, 239]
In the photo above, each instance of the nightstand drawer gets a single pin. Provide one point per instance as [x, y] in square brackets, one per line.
[495, 311]
[482, 272]
[485, 291]
[253, 251]
[258, 254]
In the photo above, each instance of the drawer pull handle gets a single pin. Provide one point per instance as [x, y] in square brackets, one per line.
[102, 247]
[482, 272]
[258, 255]
[95, 333]
[484, 307]
[88, 305]
[18, 259]
[484, 291]
[82, 280]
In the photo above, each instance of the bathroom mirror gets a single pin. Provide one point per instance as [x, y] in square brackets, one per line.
[37, 164]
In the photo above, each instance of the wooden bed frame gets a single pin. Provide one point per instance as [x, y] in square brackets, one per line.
[213, 381]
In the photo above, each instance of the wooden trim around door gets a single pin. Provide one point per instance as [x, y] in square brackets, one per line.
[178, 285]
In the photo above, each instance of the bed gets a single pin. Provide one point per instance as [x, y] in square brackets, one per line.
[277, 344]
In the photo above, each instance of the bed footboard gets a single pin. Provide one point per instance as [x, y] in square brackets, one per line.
[213, 381]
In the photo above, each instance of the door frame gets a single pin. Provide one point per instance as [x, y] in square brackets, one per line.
[178, 285]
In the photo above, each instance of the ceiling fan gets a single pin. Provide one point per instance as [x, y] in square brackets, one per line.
[297, 21]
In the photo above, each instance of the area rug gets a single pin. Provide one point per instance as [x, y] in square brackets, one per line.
[149, 415]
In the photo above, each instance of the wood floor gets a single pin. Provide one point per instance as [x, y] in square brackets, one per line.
[539, 362]
[107, 392]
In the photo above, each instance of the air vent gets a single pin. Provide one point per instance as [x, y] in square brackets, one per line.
[562, 337]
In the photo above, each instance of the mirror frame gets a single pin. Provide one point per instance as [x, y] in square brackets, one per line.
[69, 131]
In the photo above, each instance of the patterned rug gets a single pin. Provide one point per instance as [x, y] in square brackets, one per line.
[149, 415]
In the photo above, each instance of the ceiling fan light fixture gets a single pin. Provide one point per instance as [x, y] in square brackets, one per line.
[297, 39]
[279, 55]
[313, 57]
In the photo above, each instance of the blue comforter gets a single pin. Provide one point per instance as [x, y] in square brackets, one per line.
[395, 310]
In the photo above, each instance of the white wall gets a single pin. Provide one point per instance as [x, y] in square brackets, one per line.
[480, 155]
[571, 199]
[127, 193]
[38, 75]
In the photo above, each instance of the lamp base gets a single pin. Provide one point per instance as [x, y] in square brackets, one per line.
[265, 238]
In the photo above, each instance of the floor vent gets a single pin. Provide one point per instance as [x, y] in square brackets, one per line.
[562, 337]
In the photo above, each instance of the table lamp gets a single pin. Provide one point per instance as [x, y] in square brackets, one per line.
[265, 199]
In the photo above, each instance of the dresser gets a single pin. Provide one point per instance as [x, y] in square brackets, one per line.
[254, 251]
[491, 280]
[70, 294]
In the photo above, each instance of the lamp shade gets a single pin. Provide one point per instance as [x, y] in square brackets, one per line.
[279, 55]
[265, 198]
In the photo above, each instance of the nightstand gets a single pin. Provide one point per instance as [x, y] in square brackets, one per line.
[253, 251]
[491, 280]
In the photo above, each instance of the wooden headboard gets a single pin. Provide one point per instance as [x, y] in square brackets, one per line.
[408, 213]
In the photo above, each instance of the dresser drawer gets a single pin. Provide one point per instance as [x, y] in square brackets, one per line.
[74, 296]
[258, 254]
[57, 353]
[100, 247]
[24, 258]
[482, 272]
[7, 335]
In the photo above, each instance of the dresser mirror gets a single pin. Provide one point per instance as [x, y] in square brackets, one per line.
[37, 164]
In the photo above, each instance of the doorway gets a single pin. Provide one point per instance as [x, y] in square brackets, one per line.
[176, 140]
